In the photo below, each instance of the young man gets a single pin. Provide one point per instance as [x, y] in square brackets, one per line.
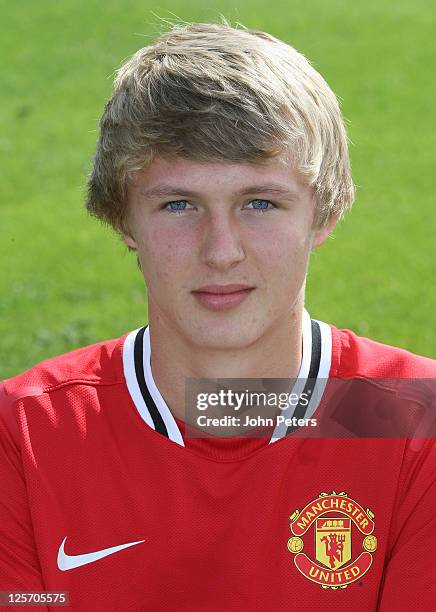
[223, 162]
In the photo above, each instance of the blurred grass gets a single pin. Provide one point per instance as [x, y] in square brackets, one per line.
[66, 281]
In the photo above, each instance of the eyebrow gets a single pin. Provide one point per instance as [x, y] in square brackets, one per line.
[172, 190]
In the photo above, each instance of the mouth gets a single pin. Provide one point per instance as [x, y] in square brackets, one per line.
[222, 297]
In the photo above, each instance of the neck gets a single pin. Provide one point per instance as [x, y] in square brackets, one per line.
[174, 359]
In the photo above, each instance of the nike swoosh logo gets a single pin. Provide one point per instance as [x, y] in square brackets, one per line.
[67, 562]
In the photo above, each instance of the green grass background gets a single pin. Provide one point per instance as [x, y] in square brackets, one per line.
[66, 281]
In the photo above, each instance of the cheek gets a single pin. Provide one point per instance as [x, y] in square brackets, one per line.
[285, 250]
[283, 264]
[164, 252]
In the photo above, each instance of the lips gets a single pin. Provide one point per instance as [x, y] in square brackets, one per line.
[222, 297]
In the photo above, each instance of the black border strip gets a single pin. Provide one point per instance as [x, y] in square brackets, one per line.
[315, 361]
[156, 416]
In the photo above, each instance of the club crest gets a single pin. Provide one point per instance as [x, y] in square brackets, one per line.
[332, 518]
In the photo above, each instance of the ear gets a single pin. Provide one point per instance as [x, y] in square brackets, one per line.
[129, 241]
[321, 234]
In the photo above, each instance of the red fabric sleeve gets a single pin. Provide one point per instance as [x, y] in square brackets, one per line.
[409, 577]
[19, 564]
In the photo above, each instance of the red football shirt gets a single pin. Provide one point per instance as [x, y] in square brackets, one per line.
[104, 496]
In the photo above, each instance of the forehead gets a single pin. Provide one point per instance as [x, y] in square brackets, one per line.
[165, 176]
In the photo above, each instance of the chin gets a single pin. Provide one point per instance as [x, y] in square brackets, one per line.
[224, 335]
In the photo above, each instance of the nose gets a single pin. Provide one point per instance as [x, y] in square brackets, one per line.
[222, 246]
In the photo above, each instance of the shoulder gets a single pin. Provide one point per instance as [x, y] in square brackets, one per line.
[392, 390]
[64, 390]
[96, 364]
[356, 356]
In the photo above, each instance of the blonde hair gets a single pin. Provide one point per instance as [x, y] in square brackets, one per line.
[211, 92]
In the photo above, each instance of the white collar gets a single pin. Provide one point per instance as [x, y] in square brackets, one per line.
[312, 377]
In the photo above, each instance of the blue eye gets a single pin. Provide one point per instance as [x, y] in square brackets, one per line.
[260, 205]
[177, 205]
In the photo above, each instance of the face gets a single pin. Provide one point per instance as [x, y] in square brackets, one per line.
[224, 247]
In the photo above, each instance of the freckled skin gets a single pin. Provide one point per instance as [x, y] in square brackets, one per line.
[221, 240]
